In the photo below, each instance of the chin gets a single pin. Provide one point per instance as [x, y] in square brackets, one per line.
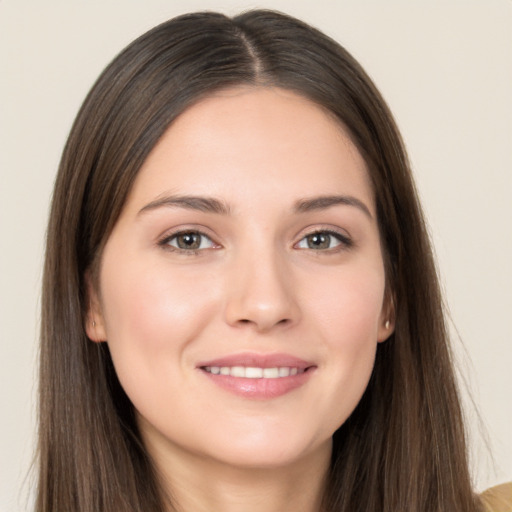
[268, 450]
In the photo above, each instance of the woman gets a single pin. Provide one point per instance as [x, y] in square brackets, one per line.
[240, 304]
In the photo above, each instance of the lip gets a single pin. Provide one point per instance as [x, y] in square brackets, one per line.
[259, 388]
[258, 360]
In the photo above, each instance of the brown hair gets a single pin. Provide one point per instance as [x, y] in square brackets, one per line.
[403, 447]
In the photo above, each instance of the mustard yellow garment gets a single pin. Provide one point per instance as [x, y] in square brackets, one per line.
[498, 499]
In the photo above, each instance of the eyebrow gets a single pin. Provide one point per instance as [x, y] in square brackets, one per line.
[323, 202]
[198, 203]
[213, 205]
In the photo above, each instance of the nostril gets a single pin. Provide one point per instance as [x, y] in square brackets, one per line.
[262, 323]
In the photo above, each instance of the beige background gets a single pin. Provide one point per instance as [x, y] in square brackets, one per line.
[445, 68]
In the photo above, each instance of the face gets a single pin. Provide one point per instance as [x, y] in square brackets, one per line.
[241, 292]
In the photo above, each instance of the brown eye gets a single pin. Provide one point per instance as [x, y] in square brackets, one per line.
[189, 241]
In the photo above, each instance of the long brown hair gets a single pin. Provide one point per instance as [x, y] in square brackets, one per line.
[403, 448]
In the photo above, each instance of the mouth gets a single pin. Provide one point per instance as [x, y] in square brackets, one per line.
[256, 376]
[254, 372]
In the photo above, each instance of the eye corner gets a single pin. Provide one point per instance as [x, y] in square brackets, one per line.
[187, 241]
[326, 240]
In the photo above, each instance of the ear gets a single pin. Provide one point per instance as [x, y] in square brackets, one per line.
[94, 321]
[387, 318]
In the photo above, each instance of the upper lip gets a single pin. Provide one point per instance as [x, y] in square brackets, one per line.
[258, 361]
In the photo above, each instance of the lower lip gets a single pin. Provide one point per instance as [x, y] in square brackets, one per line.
[260, 389]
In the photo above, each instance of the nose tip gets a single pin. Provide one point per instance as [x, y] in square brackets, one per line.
[262, 298]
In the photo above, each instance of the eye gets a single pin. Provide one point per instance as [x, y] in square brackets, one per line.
[324, 240]
[188, 241]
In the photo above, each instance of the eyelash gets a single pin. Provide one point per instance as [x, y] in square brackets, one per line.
[344, 241]
[165, 243]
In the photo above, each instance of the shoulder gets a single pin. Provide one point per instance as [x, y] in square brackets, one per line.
[498, 499]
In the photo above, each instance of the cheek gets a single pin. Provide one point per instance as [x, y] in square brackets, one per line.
[348, 319]
[348, 304]
[150, 315]
[149, 303]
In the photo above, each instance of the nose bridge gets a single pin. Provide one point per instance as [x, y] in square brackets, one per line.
[260, 289]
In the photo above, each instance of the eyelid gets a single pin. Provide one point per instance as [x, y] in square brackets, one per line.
[163, 240]
[346, 241]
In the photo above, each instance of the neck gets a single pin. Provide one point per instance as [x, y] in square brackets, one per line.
[204, 485]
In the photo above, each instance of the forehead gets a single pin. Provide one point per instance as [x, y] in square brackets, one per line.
[245, 139]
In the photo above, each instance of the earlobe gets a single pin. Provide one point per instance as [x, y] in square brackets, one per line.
[387, 320]
[386, 329]
[94, 322]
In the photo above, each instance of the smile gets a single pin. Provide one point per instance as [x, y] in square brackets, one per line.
[258, 376]
[251, 372]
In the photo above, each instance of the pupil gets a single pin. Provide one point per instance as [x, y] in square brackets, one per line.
[189, 241]
[319, 241]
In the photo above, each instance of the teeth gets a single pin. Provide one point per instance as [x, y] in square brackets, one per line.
[270, 373]
[253, 373]
[237, 371]
[284, 372]
[250, 372]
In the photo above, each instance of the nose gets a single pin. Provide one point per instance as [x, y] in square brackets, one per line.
[261, 293]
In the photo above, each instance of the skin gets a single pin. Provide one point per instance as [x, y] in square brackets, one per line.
[256, 284]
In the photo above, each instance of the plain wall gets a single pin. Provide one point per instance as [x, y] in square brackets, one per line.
[445, 67]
